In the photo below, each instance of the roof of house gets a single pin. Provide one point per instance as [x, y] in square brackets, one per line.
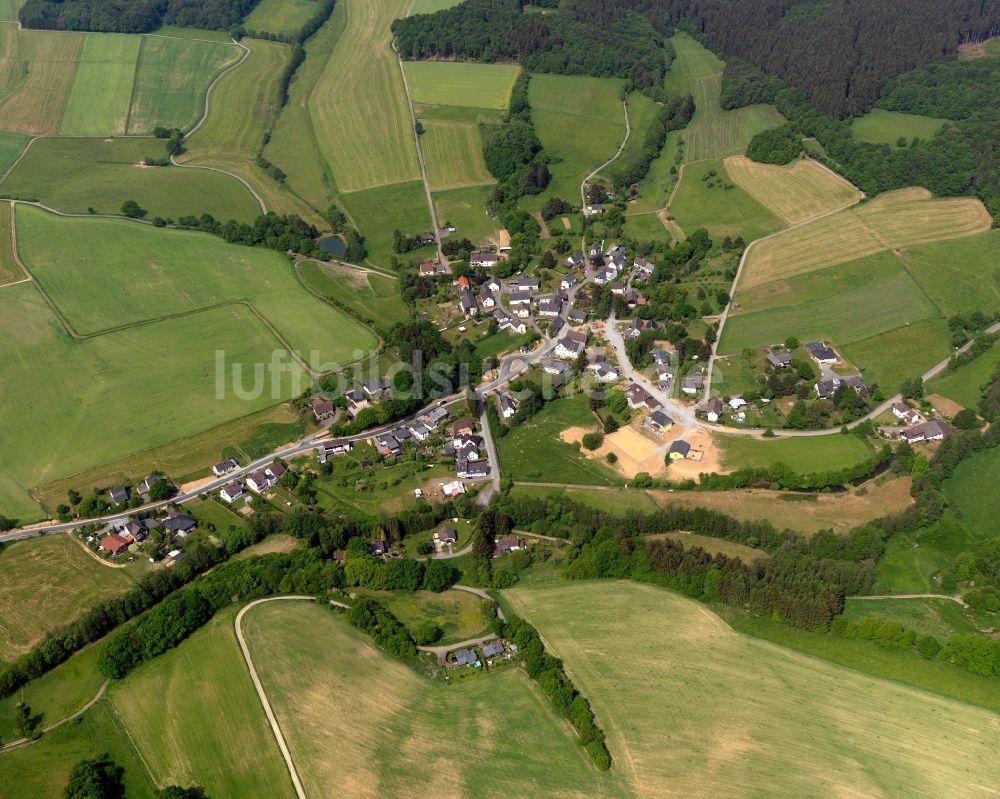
[233, 488]
[779, 358]
[694, 381]
[926, 430]
[462, 424]
[492, 649]
[465, 657]
[113, 543]
[660, 418]
[820, 351]
[119, 494]
[680, 447]
[484, 257]
[826, 388]
[447, 534]
[179, 523]
[463, 281]
[714, 405]
[477, 468]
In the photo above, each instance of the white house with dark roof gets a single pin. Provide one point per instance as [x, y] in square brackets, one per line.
[779, 360]
[571, 344]
[485, 259]
[508, 404]
[821, 352]
[926, 431]
[692, 384]
[231, 491]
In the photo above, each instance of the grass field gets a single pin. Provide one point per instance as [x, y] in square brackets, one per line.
[885, 127]
[11, 145]
[964, 385]
[456, 83]
[281, 16]
[533, 451]
[902, 218]
[46, 583]
[459, 614]
[37, 70]
[746, 718]
[581, 123]
[803, 455]
[430, 6]
[102, 87]
[892, 357]
[358, 106]
[937, 617]
[714, 546]
[641, 116]
[796, 192]
[960, 276]
[453, 155]
[333, 691]
[722, 211]
[380, 211]
[76, 174]
[368, 296]
[9, 270]
[466, 210]
[196, 718]
[172, 77]
[178, 272]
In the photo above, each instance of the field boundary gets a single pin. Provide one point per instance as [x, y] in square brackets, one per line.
[56, 724]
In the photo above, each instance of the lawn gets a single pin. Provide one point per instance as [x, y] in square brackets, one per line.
[145, 273]
[11, 145]
[456, 83]
[533, 451]
[895, 356]
[281, 16]
[879, 126]
[171, 80]
[465, 209]
[48, 582]
[453, 155]
[358, 106]
[718, 713]
[964, 385]
[960, 276]
[367, 295]
[386, 488]
[646, 227]
[795, 192]
[102, 87]
[76, 174]
[580, 122]
[902, 218]
[380, 211]
[802, 455]
[715, 203]
[195, 716]
[459, 614]
[36, 78]
[359, 723]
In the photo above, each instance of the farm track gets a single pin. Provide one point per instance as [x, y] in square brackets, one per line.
[56, 724]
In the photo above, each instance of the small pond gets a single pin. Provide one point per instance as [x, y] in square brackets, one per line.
[332, 245]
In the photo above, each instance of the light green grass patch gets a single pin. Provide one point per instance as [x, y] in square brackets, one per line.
[172, 78]
[961, 276]
[281, 16]
[102, 89]
[722, 211]
[368, 296]
[465, 209]
[802, 455]
[380, 211]
[453, 155]
[144, 273]
[879, 126]
[457, 83]
[11, 145]
[655, 190]
[180, 32]
[965, 384]
[646, 227]
[430, 6]
[76, 174]
[459, 614]
[895, 356]
[938, 617]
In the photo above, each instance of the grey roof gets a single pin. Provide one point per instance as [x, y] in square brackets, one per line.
[577, 315]
[681, 447]
[492, 649]
[478, 468]
[179, 523]
[820, 351]
[448, 534]
[779, 359]
[660, 418]
[119, 494]
[520, 297]
[560, 367]
[826, 388]
[465, 657]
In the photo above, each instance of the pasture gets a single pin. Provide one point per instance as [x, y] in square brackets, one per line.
[358, 106]
[580, 123]
[281, 16]
[453, 155]
[366, 295]
[11, 145]
[46, 583]
[706, 198]
[795, 192]
[466, 210]
[902, 218]
[380, 211]
[459, 614]
[960, 276]
[37, 70]
[102, 87]
[145, 274]
[964, 385]
[458, 83]
[332, 691]
[746, 718]
[9, 270]
[897, 355]
[802, 455]
[195, 716]
[171, 79]
[879, 126]
[76, 174]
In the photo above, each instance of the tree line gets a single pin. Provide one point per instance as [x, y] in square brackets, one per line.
[674, 115]
[134, 16]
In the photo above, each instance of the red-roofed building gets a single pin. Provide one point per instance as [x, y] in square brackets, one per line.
[114, 545]
[463, 282]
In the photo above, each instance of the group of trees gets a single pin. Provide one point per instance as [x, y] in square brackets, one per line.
[673, 115]
[282, 232]
[385, 629]
[513, 153]
[134, 16]
[398, 574]
[101, 778]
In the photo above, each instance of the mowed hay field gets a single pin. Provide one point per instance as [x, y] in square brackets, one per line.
[281, 16]
[358, 107]
[367, 294]
[360, 724]
[795, 192]
[145, 273]
[48, 582]
[36, 76]
[76, 174]
[802, 455]
[102, 87]
[453, 155]
[196, 718]
[692, 708]
[902, 218]
[454, 83]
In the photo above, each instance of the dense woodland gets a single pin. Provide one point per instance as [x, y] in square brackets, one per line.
[838, 52]
[133, 16]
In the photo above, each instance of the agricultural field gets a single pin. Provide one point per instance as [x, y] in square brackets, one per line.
[903, 218]
[466, 210]
[178, 272]
[102, 87]
[358, 107]
[879, 126]
[368, 296]
[534, 452]
[48, 582]
[892, 357]
[748, 720]
[77, 174]
[802, 455]
[430, 6]
[964, 385]
[462, 84]
[331, 690]
[960, 276]
[284, 17]
[566, 110]
[380, 211]
[453, 155]
[459, 614]
[9, 270]
[795, 192]
[171, 80]
[706, 198]
[37, 70]
[11, 146]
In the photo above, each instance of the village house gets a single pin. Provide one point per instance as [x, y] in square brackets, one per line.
[374, 386]
[636, 396]
[604, 372]
[492, 649]
[356, 401]
[567, 282]
[519, 298]
[906, 414]
[378, 548]
[276, 470]
[507, 322]
[505, 545]
[472, 470]
[713, 410]
[338, 446]
[493, 285]
[466, 657]
[571, 344]
[387, 445]
[461, 427]
[486, 298]
[660, 357]
[114, 545]
[435, 416]
[467, 302]
[508, 404]
[593, 210]
[258, 482]
[577, 316]
[525, 283]
[693, 384]
[522, 311]
[644, 267]
[595, 249]
[549, 306]
[433, 269]
[618, 288]
[779, 360]
[638, 327]
[483, 259]
[926, 431]
[553, 367]
[445, 537]
[556, 326]
[679, 450]
[664, 377]
[826, 388]
[420, 431]
[224, 467]
[467, 447]
[821, 353]
[322, 408]
[119, 495]
[179, 524]
[658, 422]
[575, 260]
[231, 491]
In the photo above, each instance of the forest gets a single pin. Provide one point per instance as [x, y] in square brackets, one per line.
[838, 52]
[133, 16]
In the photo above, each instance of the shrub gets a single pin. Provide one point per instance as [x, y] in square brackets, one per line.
[593, 441]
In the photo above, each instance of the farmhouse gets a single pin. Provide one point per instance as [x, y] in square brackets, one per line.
[223, 467]
[571, 344]
[231, 491]
[679, 450]
[486, 259]
[779, 360]
[904, 412]
[525, 284]
[466, 657]
[322, 408]
[593, 210]
[505, 545]
[113, 544]
[508, 405]
[519, 298]
[927, 431]
[821, 353]
[119, 495]
[693, 384]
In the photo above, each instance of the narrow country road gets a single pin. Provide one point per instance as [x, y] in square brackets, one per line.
[442, 651]
[56, 724]
[957, 599]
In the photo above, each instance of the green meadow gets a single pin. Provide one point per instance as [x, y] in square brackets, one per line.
[456, 83]
[366, 295]
[11, 145]
[281, 16]
[466, 210]
[102, 87]
[964, 385]
[960, 276]
[897, 355]
[879, 126]
[802, 455]
[380, 211]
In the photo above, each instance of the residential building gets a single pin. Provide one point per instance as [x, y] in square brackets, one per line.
[486, 298]
[322, 408]
[466, 657]
[693, 384]
[484, 259]
[224, 467]
[231, 491]
[593, 210]
[713, 410]
[658, 422]
[567, 282]
[377, 547]
[826, 388]
[179, 524]
[119, 495]
[114, 545]
[462, 427]
[549, 306]
[445, 536]
[467, 302]
[821, 352]
[571, 344]
[906, 414]
[554, 367]
[577, 316]
[508, 404]
[258, 482]
[926, 431]
[374, 386]
[644, 267]
[492, 649]
[505, 545]
[636, 396]
[519, 297]
[472, 470]
[679, 450]
[779, 360]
